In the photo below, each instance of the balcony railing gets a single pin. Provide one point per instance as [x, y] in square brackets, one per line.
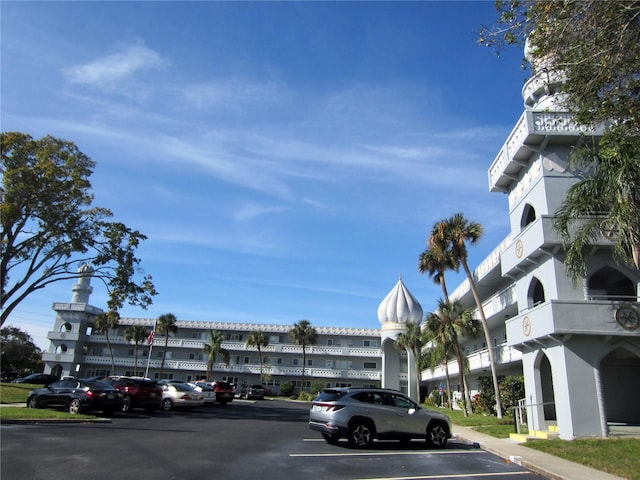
[478, 360]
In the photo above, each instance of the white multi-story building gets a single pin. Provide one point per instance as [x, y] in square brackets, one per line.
[577, 346]
[340, 356]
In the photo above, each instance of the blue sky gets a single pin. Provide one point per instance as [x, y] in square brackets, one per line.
[285, 159]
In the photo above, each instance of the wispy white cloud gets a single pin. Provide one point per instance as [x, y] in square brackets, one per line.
[251, 211]
[235, 94]
[115, 68]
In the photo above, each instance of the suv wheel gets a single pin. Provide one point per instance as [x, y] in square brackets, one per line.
[436, 435]
[32, 402]
[167, 404]
[74, 406]
[126, 404]
[360, 434]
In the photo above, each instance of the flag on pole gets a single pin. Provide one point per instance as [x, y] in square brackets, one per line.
[150, 337]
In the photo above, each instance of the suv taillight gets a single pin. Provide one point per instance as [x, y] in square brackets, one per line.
[330, 407]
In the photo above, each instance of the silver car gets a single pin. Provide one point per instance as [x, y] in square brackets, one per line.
[364, 414]
[182, 395]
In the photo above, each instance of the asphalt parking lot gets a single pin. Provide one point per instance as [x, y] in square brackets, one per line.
[266, 439]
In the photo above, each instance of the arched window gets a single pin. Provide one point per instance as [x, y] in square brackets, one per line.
[535, 295]
[61, 348]
[609, 284]
[65, 327]
[528, 215]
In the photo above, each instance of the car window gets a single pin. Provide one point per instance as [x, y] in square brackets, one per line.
[68, 383]
[330, 395]
[402, 402]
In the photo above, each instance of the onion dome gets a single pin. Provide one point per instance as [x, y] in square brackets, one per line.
[399, 307]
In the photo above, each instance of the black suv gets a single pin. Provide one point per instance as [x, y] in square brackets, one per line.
[138, 393]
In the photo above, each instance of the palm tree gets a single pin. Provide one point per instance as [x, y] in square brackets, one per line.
[258, 339]
[447, 324]
[413, 339]
[605, 202]
[435, 261]
[165, 325]
[453, 234]
[303, 334]
[136, 334]
[213, 348]
[104, 322]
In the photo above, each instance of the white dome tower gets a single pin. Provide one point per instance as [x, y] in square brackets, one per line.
[397, 309]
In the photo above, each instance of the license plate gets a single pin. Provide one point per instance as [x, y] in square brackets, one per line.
[317, 408]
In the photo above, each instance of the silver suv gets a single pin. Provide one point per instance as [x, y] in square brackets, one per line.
[364, 414]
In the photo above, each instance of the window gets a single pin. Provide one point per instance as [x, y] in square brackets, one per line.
[535, 295]
[370, 343]
[309, 362]
[130, 353]
[295, 362]
[246, 360]
[528, 215]
[329, 364]
[196, 335]
[370, 365]
[234, 337]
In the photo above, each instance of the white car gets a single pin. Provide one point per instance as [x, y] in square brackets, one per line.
[206, 390]
[180, 395]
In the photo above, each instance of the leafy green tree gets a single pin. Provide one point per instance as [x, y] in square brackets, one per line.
[166, 325]
[448, 324]
[103, 322]
[594, 47]
[303, 334]
[595, 44]
[136, 334]
[453, 234]
[18, 352]
[258, 339]
[213, 348]
[413, 339]
[49, 225]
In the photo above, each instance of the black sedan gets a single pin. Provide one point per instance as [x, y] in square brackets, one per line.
[37, 378]
[77, 395]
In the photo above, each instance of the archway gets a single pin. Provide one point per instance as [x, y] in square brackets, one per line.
[619, 374]
[535, 294]
[608, 283]
[528, 215]
[545, 376]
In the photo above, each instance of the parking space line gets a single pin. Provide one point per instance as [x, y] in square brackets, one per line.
[459, 475]
[376, 454]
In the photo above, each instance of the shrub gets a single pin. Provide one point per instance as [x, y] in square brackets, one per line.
[286, 389]
[316, 387]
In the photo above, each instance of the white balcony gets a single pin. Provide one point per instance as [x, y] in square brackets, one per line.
[552, 321]
[531, 130]
[478, 361]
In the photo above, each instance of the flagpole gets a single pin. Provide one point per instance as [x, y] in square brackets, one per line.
[150, 340]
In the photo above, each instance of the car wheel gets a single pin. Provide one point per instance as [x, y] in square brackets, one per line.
[74, 406]
[32, 402]
[167, 404]
[332, 439]
[360, 434]
[126, 404]
[437, 435]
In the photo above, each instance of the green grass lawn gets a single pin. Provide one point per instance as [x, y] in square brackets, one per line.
[617, 456]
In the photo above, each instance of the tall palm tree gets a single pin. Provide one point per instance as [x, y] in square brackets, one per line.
[454, 233]
[435, 261]
[413, 339]
[213, 348]
[448, 323]
[303, 334]
[104, 322]
[258, 339]
[136, 334]
[165, 325]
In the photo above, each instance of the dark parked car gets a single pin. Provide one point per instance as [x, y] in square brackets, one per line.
[137, 393]
[224, 392]
[363, 414]
[37, 378]
[253, 391]
[9, 376]
[77, 395]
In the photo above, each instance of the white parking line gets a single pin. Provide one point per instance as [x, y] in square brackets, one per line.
[459, 475]
[377, 454]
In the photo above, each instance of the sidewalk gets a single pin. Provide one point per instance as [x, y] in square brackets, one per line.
[544, 464]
